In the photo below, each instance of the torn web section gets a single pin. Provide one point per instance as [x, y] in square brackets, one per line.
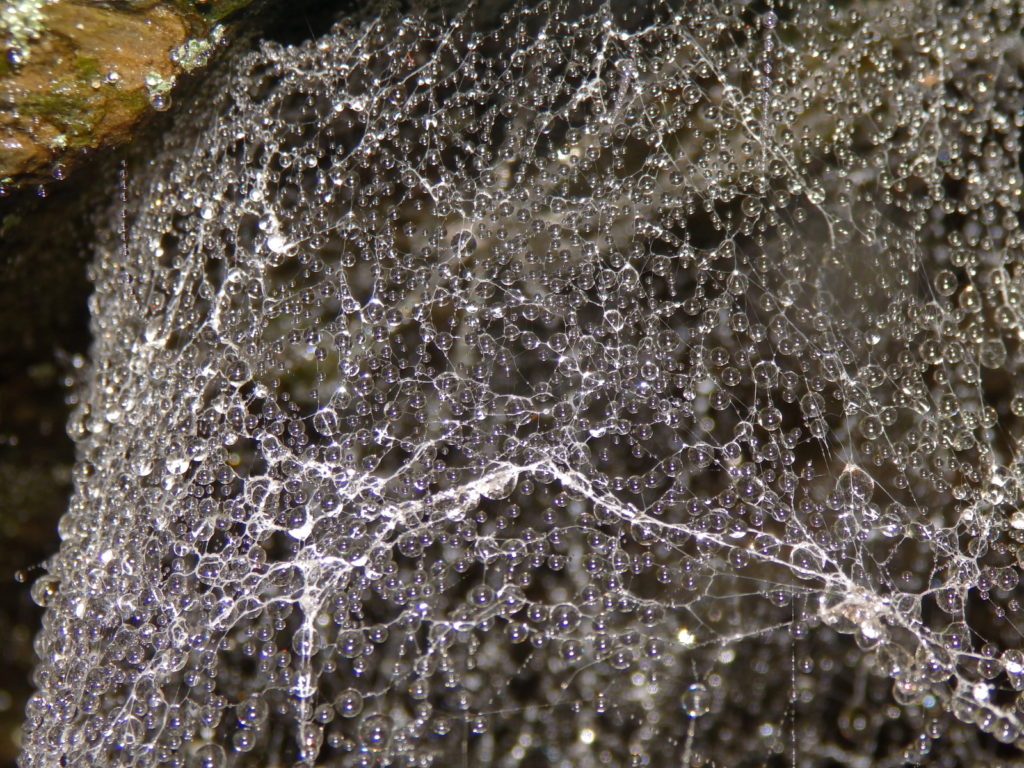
[564, 393]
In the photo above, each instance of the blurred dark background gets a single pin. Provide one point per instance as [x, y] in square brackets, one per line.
[43, 333]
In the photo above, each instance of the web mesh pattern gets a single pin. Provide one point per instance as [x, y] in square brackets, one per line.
[578, 389]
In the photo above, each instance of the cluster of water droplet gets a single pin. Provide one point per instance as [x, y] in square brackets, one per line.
[565, 389]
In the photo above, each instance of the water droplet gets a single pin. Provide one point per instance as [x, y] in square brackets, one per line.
[946, 283]
[696, 701]
[349, 703]
[375, 732]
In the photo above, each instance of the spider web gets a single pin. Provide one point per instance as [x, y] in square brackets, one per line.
[580, 388]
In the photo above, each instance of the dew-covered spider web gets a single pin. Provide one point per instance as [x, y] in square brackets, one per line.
[565, 387]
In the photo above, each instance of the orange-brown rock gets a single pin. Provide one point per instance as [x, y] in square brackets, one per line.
[86, 83]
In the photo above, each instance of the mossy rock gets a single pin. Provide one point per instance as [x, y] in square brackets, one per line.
[76, 86]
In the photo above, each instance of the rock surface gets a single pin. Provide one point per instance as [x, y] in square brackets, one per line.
[90, 74]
